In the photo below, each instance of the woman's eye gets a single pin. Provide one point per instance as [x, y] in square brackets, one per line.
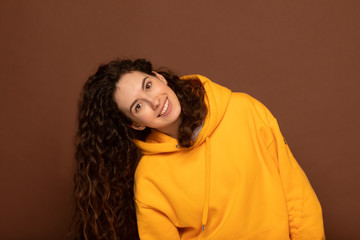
[137, 107]
[148, 85]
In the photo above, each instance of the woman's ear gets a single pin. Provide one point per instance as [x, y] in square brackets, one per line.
[160, 77]
[137, 126]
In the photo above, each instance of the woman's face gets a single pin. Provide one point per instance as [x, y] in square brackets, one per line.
[148, 102]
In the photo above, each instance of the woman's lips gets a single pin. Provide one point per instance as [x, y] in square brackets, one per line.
[166, 109]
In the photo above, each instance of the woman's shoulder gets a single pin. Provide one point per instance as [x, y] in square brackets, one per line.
[247, 105]
[245, 100]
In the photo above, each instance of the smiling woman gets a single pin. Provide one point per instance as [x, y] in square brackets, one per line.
[163, 157]
[118, 104]
[149, 102]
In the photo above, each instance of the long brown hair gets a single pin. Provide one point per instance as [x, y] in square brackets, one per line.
[106, 157]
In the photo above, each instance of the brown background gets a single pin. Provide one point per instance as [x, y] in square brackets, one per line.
[300, 58]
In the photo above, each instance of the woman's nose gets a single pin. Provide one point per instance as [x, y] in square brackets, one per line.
[155, 102]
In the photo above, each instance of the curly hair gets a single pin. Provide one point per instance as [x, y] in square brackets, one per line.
[106, 157]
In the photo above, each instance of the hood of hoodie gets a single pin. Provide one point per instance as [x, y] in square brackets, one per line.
[216, 98]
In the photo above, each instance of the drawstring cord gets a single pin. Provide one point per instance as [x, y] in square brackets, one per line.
[207, 183]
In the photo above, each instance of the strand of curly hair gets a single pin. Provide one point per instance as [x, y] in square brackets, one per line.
[106, 157]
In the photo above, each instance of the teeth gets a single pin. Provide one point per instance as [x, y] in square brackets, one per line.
[165, 107]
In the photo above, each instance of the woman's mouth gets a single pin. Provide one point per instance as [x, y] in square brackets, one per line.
[165, 108]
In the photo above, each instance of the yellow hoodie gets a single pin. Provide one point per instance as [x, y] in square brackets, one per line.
[238, 181]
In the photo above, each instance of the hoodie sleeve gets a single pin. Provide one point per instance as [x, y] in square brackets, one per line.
[304, 210]
[154, 225]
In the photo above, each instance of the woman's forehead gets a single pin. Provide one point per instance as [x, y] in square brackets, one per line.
[128, 87]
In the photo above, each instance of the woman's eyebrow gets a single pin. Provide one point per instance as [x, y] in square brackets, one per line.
[143, 83]
[142, 87]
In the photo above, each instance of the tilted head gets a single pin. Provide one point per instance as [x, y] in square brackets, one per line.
[129, 97]
[136, 90]
[149, 102]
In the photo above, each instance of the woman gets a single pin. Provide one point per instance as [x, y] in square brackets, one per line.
[210, 164]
